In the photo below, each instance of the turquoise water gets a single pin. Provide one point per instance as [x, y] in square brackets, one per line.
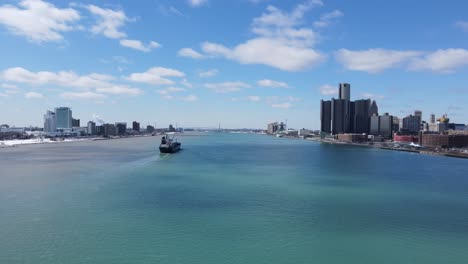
[230, 198]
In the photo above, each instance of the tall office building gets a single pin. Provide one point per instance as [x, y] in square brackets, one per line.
[50, 123]
[325, 116]
[121, 128]
[433, 119]
[374, 126]
[382, 125]
[136, 126]
[344, 91]
[374, 109]
[339, 116]
[412, 123]
[91, 128]
[75, 122]
[386, 125]
[109, 130]
[64, 117]
[360, 116]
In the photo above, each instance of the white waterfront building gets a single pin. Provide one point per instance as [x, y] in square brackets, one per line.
[50, 122]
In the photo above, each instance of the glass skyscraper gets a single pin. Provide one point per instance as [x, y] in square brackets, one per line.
[63, 117]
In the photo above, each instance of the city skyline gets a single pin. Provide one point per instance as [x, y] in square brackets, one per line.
[177, 62]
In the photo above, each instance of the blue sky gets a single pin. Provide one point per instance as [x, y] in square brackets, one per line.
[240, 63]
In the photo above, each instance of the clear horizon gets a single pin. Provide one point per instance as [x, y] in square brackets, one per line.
[240, 63]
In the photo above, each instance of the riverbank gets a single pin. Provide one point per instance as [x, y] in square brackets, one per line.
[398, 147]
[34, 141]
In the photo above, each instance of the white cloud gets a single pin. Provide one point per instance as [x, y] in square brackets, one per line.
[170, 90]
[279, 35]
[328, 18]
[83, 95]
[9, 86]
[168, 97]
[188, 52]
[227, 87]
[156, 76]
[197, 3]
[138, 45]
[99, 82]
[444, 61]
[62, 78]
[190, 98]
[377, 60]
[463, 25]
[119, 90]
[328, 89]
[282, 105]
[37, 20]
[3, 95]
[253, 98]
[374, 60]
[272, 84]
[208, 73]
[33, 95]
[109, 22]
[372, 96]
[186, 83]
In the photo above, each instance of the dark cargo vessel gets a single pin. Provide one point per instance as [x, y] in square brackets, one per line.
[168, 145]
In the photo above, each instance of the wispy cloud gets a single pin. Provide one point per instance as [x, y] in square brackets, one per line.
[374, 60]
[443, 61]
[33, 95]
[156, 76]
[282, 105]
[272, 84]
[197, 3]
[253, 98]
[109, 22]
[82, 96]
[328, 90]
[208, 73]
[188, 52]
[99, 82]
[138, 45]
[227, 87]
[463, 25]
[328, 18]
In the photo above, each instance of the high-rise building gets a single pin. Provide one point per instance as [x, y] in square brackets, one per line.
[109, 130]
[396, 124]
[325, 116]
[91, 128]
[374, 109]
[50, 122]
[339, 116]
[382, 125]
[433, 119]
[344, 91]
[75, 122]
[386, 125]
[63, 117]
[121, 128]
[136, 126]
[150, 129]
[374, 127]
[360, 116]
[412, 123]
[171, 128]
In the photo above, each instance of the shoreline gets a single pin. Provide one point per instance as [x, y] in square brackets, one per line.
[428, 152]
[37, 141]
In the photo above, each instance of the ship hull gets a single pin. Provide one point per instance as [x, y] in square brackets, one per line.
[173, 148]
